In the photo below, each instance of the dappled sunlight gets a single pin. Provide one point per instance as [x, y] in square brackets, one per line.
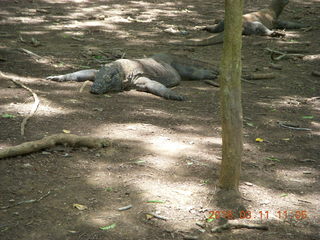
[43, 110]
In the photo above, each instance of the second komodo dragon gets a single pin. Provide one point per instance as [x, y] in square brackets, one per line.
[155, 75]
[254, 23]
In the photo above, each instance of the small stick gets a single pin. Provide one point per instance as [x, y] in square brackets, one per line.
[36, 57]
[125, 208]
[84, 85]
[27, 201]
[212, 83]
[30, 53]
[34, 106]
[300, 200]
[293, 127]
[158, 216]
[282, 54]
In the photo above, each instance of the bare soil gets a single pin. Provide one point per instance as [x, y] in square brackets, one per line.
[165, 155]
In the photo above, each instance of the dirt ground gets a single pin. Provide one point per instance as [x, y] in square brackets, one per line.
[165, 155]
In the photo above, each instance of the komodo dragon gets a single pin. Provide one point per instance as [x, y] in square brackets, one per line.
[255, 23]
[155, 75]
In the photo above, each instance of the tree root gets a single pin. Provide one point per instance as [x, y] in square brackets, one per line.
[229, 226]
[51, 141]
[35, 96]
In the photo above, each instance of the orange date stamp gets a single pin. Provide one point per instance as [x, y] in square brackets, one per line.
[262, 215]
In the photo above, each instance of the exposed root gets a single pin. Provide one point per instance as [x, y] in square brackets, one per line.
[34, 106]
[51, 141]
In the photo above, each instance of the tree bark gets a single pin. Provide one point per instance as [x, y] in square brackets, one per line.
[230, 96]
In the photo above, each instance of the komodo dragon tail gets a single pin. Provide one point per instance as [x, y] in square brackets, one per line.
[203, 42]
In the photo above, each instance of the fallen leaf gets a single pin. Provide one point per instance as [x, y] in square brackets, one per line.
[66, 131]
[149, 216]
[285, 139]
[250, 124]
[273, 159]
[79, 206]
[108, 227]
[155, 201]
[259, 139]
[6, 115]
[307, 117]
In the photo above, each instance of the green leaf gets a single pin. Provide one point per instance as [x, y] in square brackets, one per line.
[98, 57]
[206, 181]
[109, 189]
[273, 159]
[6, 115]
[250, 124]
[210, 219]
[108, 227]
[307, 117]
[155, 201]
[284, 195]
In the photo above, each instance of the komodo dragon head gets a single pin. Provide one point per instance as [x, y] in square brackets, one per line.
[107, 79]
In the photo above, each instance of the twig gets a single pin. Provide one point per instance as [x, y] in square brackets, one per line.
[27, 201]
[36, 57]
[228, 226]
[244, 80]
[125, 208]
[212, 83]
[30, 53]
[34, 106]
[282, 55]
[304, 201]
[293, 127]
[84, 85]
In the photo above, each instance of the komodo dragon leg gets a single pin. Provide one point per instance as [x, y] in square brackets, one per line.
[280, 24]
[189, 72]
[147, 85]
[79, 76]
[215, 28]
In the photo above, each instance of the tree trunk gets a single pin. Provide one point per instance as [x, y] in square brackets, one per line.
[230, 96]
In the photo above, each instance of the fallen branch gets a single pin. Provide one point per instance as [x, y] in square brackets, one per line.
[51, 141]
[34, 106]
[228, 226]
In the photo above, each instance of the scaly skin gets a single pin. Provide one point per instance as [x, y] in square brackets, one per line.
[255, 23]
[154, 75]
